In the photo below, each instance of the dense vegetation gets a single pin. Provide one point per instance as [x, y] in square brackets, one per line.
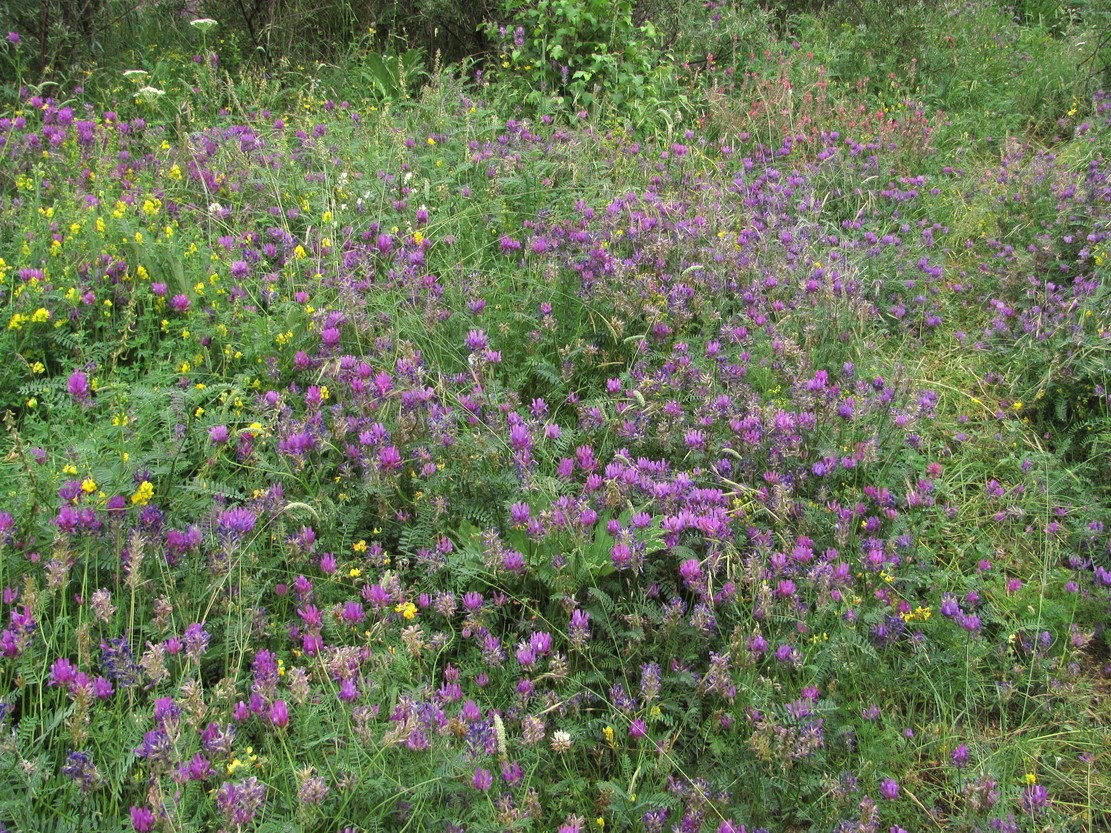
[589, 415]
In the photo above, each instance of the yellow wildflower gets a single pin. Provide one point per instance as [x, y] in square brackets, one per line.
[143, 494]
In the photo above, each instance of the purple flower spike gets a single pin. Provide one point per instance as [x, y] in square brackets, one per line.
[62, 673]
[279, 714]
[196, 641]
[960, 756]
[482, 780]
[579, 630]
[1034, 799]
[142, 819]
[236, 522]
[78, 386]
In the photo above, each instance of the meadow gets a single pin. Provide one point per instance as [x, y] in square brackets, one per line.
[603, 435]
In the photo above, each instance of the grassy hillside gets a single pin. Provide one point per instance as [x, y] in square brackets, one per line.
[649, 424]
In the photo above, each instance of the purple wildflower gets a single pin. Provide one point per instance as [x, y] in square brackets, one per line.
[960, 756]
[476, 340]
[142, 819]
[78, 386]
[579, 630]
[482, 780]
[240, 801]
[237, 522]
[62, 673]
[1035, 798]
[279, 714]
[82, 770]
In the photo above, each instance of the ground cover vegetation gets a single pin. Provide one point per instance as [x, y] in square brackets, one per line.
[582, 416]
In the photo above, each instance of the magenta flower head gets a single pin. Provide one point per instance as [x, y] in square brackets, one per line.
[312, 644]
[62, 673]
[236, 522]
[196, 641]
[142, 819]
[960, 756]
[1034, 799]
[279, 714]
[353, 613]
[579, 630]
[476, 340]
[482, 780]
[389, 459]
[240, 801]
[14, 39]
[78, 386]
[218, 434]
[889, 789]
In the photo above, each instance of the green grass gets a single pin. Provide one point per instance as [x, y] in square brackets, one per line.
[390, 447]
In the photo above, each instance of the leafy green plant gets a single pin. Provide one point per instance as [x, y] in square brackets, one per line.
[387, 78]
[374, 462]
[574, 51]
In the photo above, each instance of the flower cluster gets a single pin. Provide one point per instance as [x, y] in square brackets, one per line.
[376, 474]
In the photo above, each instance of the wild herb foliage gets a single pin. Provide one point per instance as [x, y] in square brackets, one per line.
[442, 458]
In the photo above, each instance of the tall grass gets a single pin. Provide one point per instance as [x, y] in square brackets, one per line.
[388, 449]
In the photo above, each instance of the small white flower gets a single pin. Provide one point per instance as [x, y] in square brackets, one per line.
[204, 24]
[150, 94]
[135, 74]
[561, 741]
